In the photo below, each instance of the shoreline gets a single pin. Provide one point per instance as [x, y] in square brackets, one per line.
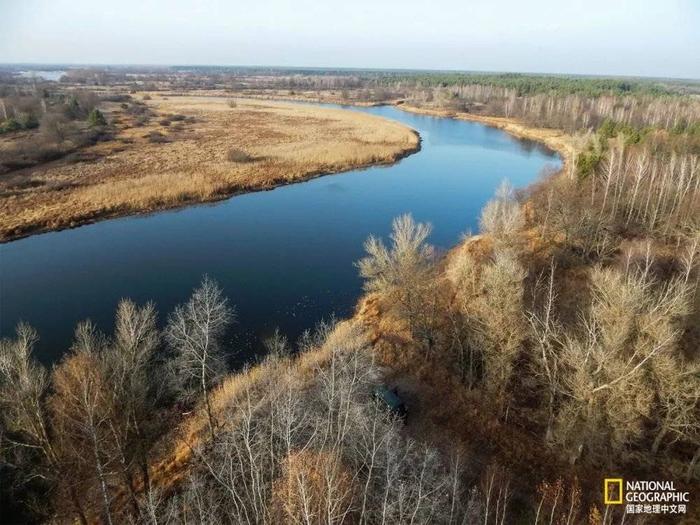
[411, 145]
[556, 140]
[126, 214]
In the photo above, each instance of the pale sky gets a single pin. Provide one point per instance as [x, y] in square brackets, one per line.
[623, 37]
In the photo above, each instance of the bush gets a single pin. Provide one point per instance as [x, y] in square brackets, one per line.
[164, 122]
[96, 119]
[607, 129]
[157, 138]
[54, 126]
[10, 125]
[115, 98]
[147, 97]
[28, 121]
[238, 155]
[72, 109]
[232, 103]
[586, 163]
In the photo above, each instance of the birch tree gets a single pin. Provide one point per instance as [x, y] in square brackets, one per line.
[131, 362]
[81, 411]
[403, 273]
[194, 333]
[502, 217]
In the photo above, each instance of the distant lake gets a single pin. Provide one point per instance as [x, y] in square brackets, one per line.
[53, 75]
[284, 257]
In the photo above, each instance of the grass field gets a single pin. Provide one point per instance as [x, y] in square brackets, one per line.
[226, 148]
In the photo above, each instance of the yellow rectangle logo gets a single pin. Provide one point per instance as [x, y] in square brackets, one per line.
[612, 491]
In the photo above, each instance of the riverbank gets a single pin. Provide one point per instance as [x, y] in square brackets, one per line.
[557, 140]
[561, 142]
[195, 150]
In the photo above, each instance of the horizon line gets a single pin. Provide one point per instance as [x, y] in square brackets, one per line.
[340, 68]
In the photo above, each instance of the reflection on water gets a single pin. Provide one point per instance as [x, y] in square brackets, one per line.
[284, 257]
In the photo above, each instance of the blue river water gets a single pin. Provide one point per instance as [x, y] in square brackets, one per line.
[283, 257]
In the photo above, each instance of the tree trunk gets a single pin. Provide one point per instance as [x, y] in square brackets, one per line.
[103, 482]
[549, 434]
[210, 417]
[691, 465]
[145, 477]
[143, 458]
[657, 441]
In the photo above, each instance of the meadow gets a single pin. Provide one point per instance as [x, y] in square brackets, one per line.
[192, 149]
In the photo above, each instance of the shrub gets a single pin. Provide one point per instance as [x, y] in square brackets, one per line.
[115, 98]
[72, 109]
[96, 118]
[157, 138]
[502, 216]
[164, 122]
[138, 108]
[232, 103]
[147, 97]
[28, 120]
[587, 162]
[238, 155]
[54, 127]
[10, 125]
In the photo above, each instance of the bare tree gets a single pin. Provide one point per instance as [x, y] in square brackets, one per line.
[502, 217]
[463, 273]
[632, 323]
[81, 410]
[547, 336]
[403, 273]
[319, 449]
[194, 333]
[496, 494]
[24, 385]
[130, 359]
[277, 344]
[500, 328]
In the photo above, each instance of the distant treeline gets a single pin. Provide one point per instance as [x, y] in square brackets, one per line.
[525, 84]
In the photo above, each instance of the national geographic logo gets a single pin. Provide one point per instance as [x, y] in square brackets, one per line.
[645, 497]
[612, 491]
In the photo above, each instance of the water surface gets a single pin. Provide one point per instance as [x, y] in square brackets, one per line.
[53, 75]
[284, 257]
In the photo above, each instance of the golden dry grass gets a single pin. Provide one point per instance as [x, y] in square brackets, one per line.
[287, 143]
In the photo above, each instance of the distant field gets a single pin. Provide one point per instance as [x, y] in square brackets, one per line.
[198, 149]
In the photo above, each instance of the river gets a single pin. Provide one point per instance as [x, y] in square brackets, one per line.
[283, 257]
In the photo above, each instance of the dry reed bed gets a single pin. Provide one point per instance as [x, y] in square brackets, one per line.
[285, 142]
